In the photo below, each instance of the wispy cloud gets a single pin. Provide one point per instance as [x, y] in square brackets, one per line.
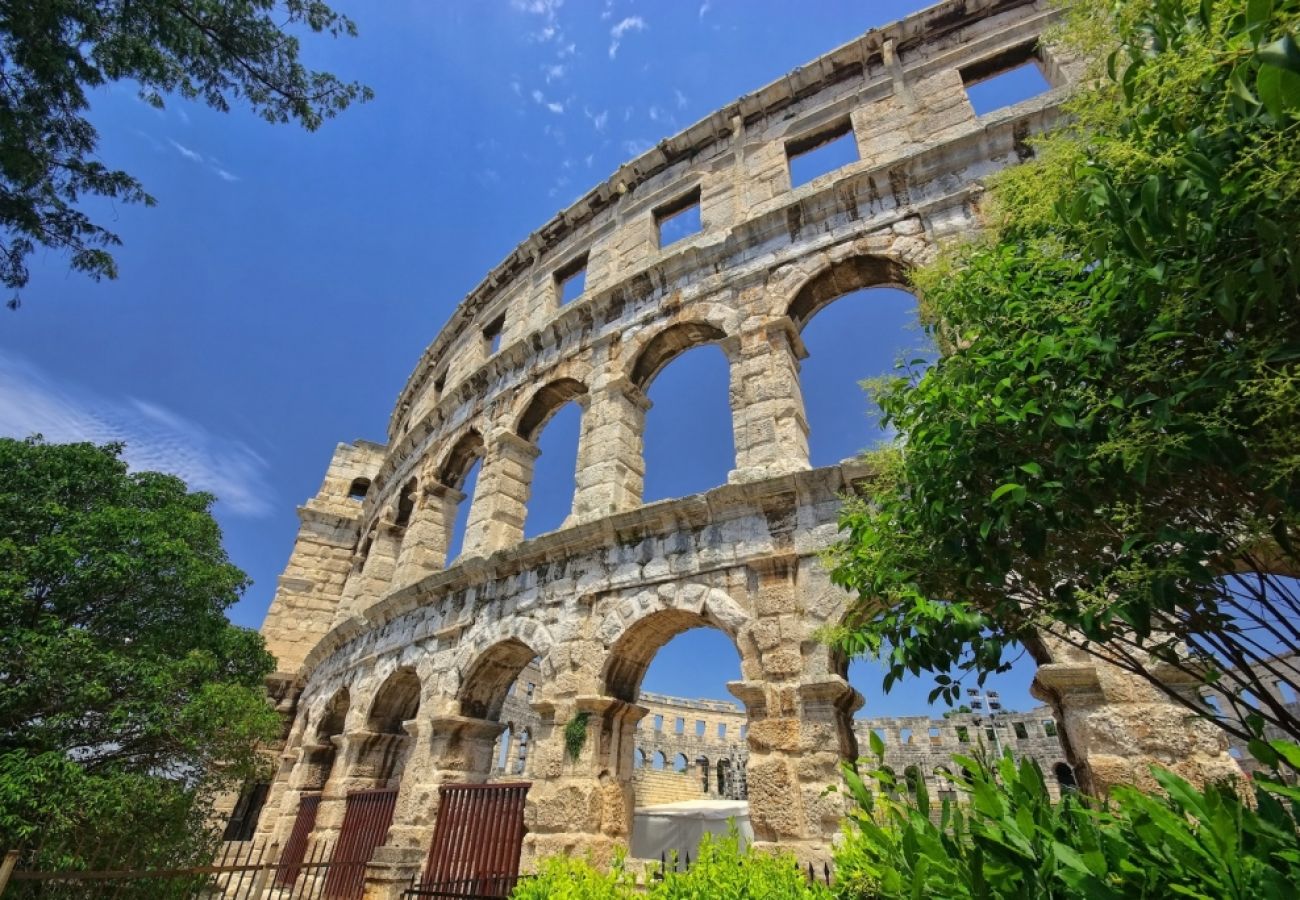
[680, 97]
[553, 72]
[598, 120]
[555, 106]
[636, 146]
[631, 23]
[704, 8]
[225, 175]
[156, 438]
[192, 155]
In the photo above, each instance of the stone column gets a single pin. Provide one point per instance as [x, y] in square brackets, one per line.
[1115, 725]
[799, 732]
[428, 535]
[444, 749]
[583, 804]
[767, 413]
[496, 519]
[611, 465]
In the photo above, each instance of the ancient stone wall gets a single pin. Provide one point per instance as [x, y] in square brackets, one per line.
[401, 660]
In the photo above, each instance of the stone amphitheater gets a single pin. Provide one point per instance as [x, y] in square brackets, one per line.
[395, 663]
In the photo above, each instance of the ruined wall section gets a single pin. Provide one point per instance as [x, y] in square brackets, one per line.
[307, 594]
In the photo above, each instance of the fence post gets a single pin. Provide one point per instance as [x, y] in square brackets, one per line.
[7, 868]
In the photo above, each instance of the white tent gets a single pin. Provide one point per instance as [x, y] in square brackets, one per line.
[680, 826]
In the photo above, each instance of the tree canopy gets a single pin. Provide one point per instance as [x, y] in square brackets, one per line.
[126, 697]
[53, 52]
[1106, 452]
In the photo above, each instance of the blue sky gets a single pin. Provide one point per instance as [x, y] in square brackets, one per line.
[275, 300]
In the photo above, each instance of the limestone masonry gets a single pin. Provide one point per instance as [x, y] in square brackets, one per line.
[395, 665]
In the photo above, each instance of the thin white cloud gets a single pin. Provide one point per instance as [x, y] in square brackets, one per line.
[553, 72]
[183, 115]
[567, 50]
[538, 97]
[655, 114]
[557, 108]
[225, 175]
[636, 146]
[191, 155]
[631, 23]
[156, 438]
[705, 7]
[681, 98]
[598, 120]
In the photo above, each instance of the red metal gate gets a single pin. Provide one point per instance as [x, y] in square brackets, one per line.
[476, 841]
[365, 824]
[296, 847]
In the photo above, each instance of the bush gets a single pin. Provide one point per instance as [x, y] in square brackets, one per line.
[1006, 838]
[723, 871]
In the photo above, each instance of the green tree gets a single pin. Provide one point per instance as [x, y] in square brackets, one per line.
[1106, 452]
[126, 697]
[53, 51]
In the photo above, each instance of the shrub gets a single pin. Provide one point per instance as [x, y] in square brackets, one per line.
[723, 871]
[1006, 838]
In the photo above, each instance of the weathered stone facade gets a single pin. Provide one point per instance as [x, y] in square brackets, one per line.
[400, 663]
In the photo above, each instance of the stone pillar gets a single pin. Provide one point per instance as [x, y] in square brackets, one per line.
[1115, 725]
[611, 465]
[496, 519]
[768, 422]
[373, 578]
[583, 804]
[428, 535]
[798, 735]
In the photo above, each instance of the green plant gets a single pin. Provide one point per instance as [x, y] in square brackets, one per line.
[722, 871]
[1112, 425]
[575, 734]
[1004, 837]
[127, 699]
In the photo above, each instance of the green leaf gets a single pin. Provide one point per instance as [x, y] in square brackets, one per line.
[1032, 468]
[1283, 53]
[1279, 89]
[1257, 16]
[1006, 489]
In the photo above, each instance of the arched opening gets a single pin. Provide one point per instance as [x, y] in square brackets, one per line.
[319, 753]
[638, 759]
[459, 472]
[552, 422]
[1065, 777]
[687, 378]
[406, 504]
[501, 755]
[912, 779]
[872, 326]
[384, 746]
[488, 682]
[677, 663]
[359, 488]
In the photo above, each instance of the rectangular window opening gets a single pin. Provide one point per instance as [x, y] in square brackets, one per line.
[1022, 733]
[1006, 79]
[699, 728]
[963, 734]
[659, 723]
[821, 152]
[1049, 727]
[722, 731]
[935, 736]
[679, 219]
[905, 735]
[680, 725]
[492, 334]
[571, 280]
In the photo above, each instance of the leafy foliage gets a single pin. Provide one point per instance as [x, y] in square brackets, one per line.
[723, 872]
[575, 734]
[1004, 837]
[1112, 427]
[52, 52]
[126, 697]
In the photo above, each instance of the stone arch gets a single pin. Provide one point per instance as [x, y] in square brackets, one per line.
[680, 764]
[667, 345]
[912, 778]
[406, 503]
[397, 701]
[1065, 777]
[638, 758]
[660, 762]
[703, 762]
[456, 462]
[633, 644]
[320, 751]
[835, 279]
[546, 402]
[486, 682]
[358, 489]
